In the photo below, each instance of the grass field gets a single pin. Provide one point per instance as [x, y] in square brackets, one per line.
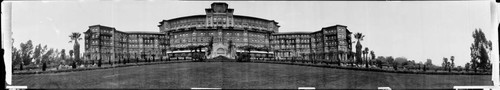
[242, 75]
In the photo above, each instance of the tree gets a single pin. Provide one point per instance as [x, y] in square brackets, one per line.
[45, 58]
[372, 54]
[480, 49]
[75, 36]
[452, 63]
[363, 55]
[399, 62]
[70, 54]
[16, 58]
[459, 68]
[380, 61]
[44, 66]
[445, 63]
[359, 37]
[410, 64]
[55, 56]
[63, 54]
[391, 62]
[37, 53]
[99, 62]
[27, 52]
[367, 57]
[467, 67]
[420, 65]
[428, 64]
[473, 65]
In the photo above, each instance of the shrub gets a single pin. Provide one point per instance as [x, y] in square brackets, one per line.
[73, 65]
[244, 57]
[21, 66]
[99, 63]
[44, 66]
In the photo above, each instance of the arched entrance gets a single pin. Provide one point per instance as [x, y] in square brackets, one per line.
[221, 51]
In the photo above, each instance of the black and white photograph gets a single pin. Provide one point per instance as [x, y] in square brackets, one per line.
[155, 44]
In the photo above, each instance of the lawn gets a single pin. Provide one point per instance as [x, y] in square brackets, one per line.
[242, 75]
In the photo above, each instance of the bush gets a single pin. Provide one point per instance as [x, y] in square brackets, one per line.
[379, 63]
[73, 65]
[243, 57]
[21, 66]
[44, 66]
[99, 63]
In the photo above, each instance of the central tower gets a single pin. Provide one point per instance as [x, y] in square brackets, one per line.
[220, 17]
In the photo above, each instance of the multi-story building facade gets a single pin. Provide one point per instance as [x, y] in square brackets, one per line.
[223, 26]
[220, 26]
[107, 43]
[291, 45]
[329, 43]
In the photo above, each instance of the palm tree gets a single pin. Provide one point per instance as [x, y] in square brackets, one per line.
[359, 47]
[366, 56]
[372, 54]
[75, 36]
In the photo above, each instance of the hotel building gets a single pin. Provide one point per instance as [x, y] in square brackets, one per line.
[220, 26]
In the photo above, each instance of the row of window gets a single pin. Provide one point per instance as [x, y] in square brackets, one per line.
[95, 29]
[290, 46]
[220, 33]
[219, 21]
[206, 39]
[289, 36]
[125, 36]
[290, 41]
[286, 54]
[251, 22]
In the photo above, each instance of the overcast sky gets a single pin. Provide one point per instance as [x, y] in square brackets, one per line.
[416, 30]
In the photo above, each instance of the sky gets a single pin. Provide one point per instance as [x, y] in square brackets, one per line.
[417, 30]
